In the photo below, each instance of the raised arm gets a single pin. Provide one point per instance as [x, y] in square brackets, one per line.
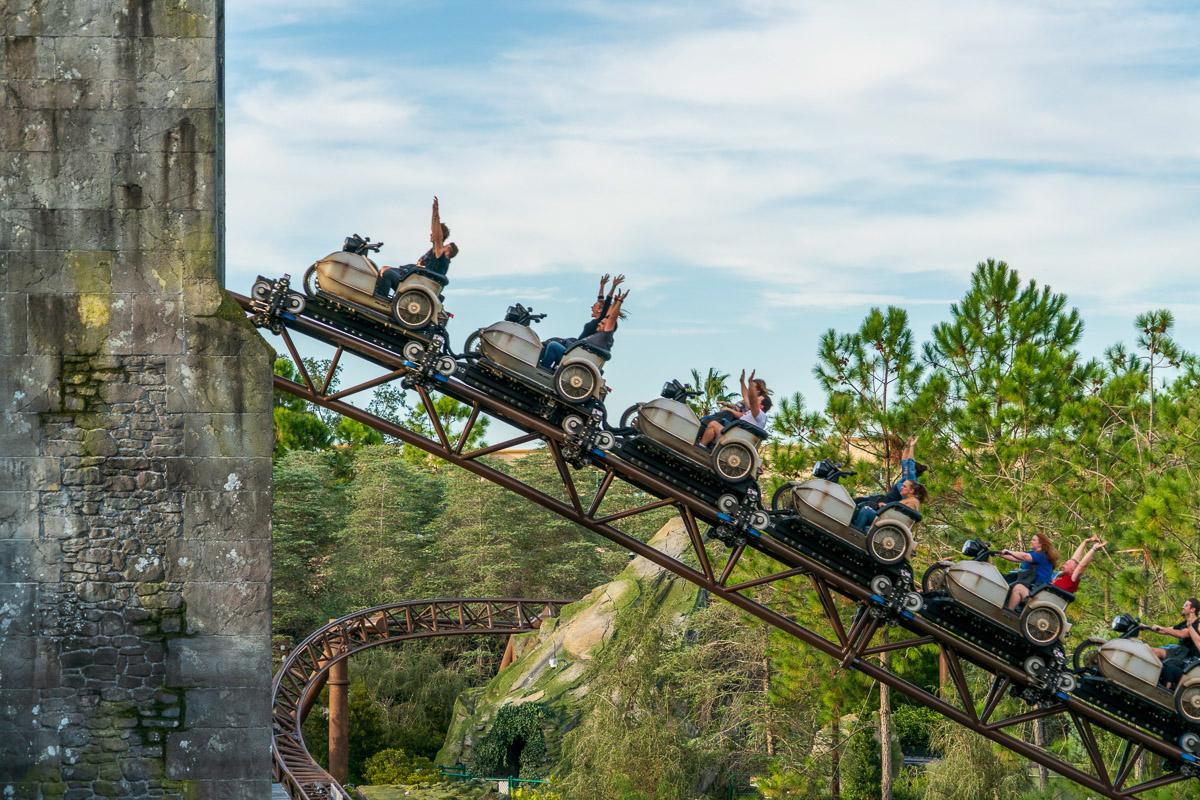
[750, 392]
[1081, 563]
[609, 323]
[435, 231]
[910, 448]
[617, 281]
[603, 283]
[1017, 556]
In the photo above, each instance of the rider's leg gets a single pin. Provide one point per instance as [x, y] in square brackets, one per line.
[1017, 595]
[552, 354]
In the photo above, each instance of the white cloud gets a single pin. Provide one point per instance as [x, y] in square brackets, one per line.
[814, 151]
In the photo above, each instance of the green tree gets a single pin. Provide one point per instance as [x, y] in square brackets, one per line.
[297, 425]
[714, 386]
[382, 551]
[1008, 354]
[305, 522]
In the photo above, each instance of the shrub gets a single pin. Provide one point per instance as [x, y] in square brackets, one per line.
[396, 766]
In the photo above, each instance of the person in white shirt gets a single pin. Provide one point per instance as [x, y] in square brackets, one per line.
[756, 402]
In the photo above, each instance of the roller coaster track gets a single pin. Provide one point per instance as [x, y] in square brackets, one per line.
[303, 672]
[857, 644]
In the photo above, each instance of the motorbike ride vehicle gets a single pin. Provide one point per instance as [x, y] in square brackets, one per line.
[339, 290]
[660, 436]
[814, 516]
[503, 361]
[969, 599]
[1122, 676]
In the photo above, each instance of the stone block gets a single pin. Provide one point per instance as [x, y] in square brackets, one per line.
[218, 753]
[227, 516]
[154, 93]
[228, 609]
[27, 130]
[29, 561]
[148, 272]
[28, 663]
[157, 324]
[229, 474]
[230, 561]
[219, 662]
[33, 472]
[80, 323]
[227, 708]
[13, 323]
[207, 383]
[17, 608]
[183, 60]
[41, 93]
[18, 514]
[226, 435]
[256, 788]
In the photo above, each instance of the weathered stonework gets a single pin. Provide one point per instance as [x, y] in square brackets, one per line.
[135, 439]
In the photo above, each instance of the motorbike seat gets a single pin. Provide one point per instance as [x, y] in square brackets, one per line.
[591, 348]
[1052, 589]
[915, 516]
[754, 429]
[436, 277]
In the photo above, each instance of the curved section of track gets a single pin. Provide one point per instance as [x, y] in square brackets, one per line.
[304, 671]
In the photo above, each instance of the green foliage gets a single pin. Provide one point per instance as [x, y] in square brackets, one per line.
[515, 744]
[972, 768]
[395, 766]
[714, 388]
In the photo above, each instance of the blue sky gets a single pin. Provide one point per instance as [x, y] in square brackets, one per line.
[761, 171]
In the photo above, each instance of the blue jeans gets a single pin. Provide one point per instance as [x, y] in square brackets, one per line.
[552, 354]
[908, 472]
[863, 517]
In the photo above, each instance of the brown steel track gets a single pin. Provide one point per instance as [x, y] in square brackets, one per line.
[852, 645]
[304, 671]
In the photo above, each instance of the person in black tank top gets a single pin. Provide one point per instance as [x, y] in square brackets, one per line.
[436, 259]
[553, 350]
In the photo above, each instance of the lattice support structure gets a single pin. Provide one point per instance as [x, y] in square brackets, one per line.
[852, 643]
[304, 671]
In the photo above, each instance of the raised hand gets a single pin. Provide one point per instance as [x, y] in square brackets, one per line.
[604, 280]
[617, 281]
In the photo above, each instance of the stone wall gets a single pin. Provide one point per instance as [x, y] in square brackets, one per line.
[136, 435]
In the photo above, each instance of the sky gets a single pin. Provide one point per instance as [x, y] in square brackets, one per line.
[760, 171]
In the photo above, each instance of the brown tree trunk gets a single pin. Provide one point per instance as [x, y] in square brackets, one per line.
[885, 729]
[766, 688]
[339, 720]
[1039, 738]
[835, 756]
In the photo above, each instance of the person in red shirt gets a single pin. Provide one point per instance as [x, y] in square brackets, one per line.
[1072, 569]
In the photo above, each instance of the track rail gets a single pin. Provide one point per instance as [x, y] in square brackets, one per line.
[851, 644]
[303, 672]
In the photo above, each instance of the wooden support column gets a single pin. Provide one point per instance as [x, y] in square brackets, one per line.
[339, 720]
[509, 650]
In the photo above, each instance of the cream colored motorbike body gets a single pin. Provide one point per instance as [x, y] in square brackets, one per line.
[516, 349]
[829, 506]
[674, 426]
[979, 586]
[1132, 665]
[349, 276]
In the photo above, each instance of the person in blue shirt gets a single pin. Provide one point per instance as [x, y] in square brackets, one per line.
[1037, 565]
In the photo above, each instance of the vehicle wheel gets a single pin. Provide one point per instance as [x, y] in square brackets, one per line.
[727, 504]
[881, 585]
[1067, 682]
[1189, 742]
[311, 283]
[294, 303]
[414, 351]
[887, 544]
[733, 461]
[784, 498]
[1041, 625]
[1086, 657]
[629, 419]
[1187, 702]
[575, 382]
[760, 520]
[605, 440]
[413, 308]
[471, 346]
[572, 424]
[913, 603]
[1035, 667]
[261, 290]
[446, 365]
[934, 579]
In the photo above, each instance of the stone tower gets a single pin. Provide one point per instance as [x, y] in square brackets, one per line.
[136, 435]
